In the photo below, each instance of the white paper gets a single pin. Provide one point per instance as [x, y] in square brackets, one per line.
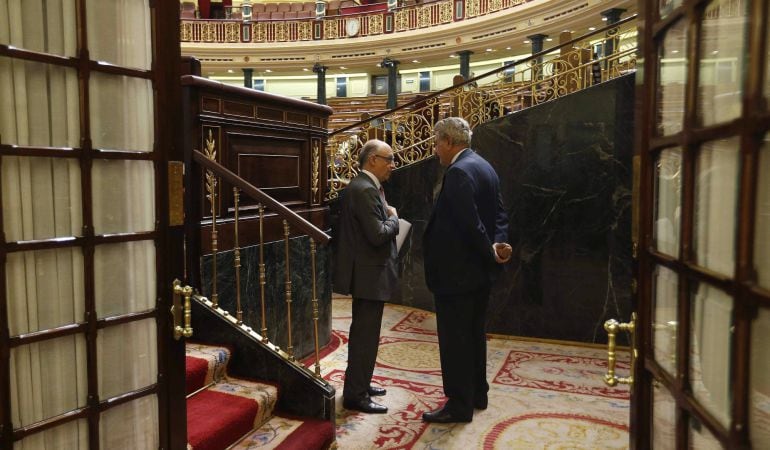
[403, 232]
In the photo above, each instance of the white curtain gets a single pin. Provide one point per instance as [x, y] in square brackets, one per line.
[665, 323]
[711, 337]
[42, 199]
[762, 227]
[716, 197]
[668, 201]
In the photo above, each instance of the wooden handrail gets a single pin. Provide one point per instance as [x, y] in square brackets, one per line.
[249, 189]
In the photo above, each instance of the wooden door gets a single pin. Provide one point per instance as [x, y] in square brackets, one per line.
[88, 95]
[703, 226]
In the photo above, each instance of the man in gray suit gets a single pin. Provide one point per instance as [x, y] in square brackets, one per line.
[366, 269]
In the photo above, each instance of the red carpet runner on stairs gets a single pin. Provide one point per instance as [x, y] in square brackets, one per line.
[223, 410]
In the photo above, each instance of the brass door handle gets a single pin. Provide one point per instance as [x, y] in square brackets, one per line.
[613, 326]
[177, 310]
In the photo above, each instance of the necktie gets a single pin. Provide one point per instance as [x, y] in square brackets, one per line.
[382, 196]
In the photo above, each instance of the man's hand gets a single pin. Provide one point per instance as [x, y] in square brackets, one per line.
[503, 252]
[391, 211]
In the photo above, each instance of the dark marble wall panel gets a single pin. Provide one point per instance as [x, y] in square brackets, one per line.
[303, 340]
[566, 173]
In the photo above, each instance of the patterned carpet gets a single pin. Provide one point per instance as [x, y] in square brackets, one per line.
[542, 395]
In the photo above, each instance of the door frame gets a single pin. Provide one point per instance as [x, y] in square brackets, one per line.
[750, 128]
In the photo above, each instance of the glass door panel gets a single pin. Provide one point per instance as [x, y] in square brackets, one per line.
[767, 59]
[31, 277]
[759, 402]
[71, 435]
[700, 438]
[672, 75]
[131, 425]
[123, 196]
[668, 201]
[711, 337]
[44, 26]
[664, 326]
[128, 358]
[114, 292]
[716, 196]
[723, 37]
[762, 227]
[666, 6]
[48, 378]
[39, 104]
[663, 418]
[127, 125]
[121, 42]
[44, 198]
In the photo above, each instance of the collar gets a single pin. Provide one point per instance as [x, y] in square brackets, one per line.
[374, 178]
[457, 155]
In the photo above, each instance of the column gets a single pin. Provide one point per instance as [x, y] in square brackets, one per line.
[248, 76]
[392, 66]
[320, 70]
[465, 63]
[537, 47]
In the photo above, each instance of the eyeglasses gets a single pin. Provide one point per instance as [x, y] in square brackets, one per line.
[386, 158]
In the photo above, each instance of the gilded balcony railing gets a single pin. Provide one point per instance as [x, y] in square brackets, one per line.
[553, 73]
[370, 23]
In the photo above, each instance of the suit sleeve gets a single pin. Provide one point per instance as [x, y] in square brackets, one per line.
[501, 223]
[368, 211]
[465, 214]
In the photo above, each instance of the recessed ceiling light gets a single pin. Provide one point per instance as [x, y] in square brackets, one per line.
[591, 28]
[230, 71]
[604, 19]
[507, 48]
[715, 52]
[674, 51]
[343, 67]
[453, 55]
[415, 61]
[526, 42]
[489, 49]
[268, 70]
[305, 69]
[549, 39]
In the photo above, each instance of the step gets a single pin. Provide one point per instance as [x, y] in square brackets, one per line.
[290, 433]
[221, 414]
[204, 364]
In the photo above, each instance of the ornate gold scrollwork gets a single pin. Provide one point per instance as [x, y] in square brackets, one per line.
[316, 182]
[613, 326]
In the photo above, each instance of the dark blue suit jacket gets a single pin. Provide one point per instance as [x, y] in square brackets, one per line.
[467, 219]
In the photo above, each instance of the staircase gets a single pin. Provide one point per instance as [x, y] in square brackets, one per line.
[228, 412]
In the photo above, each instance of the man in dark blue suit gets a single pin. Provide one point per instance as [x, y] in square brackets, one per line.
[365, 267]
[464, 244]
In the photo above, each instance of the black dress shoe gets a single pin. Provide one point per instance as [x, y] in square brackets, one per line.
[481, 403]
[375, 391]
[443, 415]
[364, 405]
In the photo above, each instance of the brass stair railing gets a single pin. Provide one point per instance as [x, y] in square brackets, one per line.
[216, 173]
[533, 80]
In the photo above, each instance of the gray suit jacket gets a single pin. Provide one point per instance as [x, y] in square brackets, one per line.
[365, 264]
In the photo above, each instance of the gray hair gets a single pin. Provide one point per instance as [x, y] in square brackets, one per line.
[369, 149]
[454, 129]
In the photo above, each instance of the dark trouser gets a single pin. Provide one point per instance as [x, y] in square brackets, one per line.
[364, 340]
[460, 321]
